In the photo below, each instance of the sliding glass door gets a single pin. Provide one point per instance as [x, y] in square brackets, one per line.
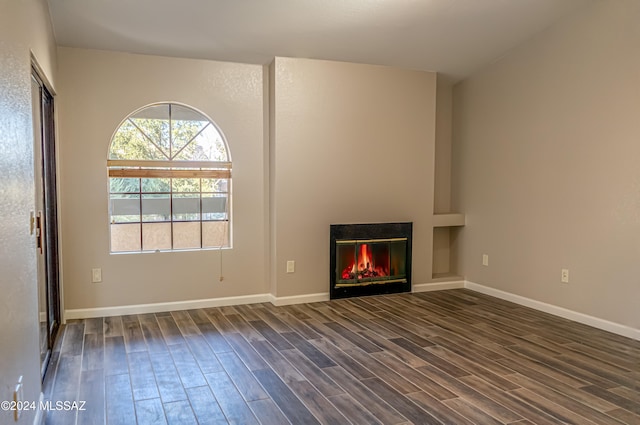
[45, 217]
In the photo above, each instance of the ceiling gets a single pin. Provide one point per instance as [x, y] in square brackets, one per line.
[454, 37]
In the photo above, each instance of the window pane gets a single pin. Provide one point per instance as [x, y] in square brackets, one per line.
[125, 208]
[186, 185]
[156, 207]
[215, 185]
[125, 237]
[185, 125]
[156, 185]
[156, 236]
[186, 235]
[130, 143]
[185, 113]
[215, 234]
[124, 185]
[186, 207]
[207, 146]
[156, 131]
[214, 206]
[153, 122]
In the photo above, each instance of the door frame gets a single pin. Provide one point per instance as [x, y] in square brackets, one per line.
[50, 238]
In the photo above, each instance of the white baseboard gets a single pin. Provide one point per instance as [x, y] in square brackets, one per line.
[299, 299]
[85, 313]
[606, 325]
[585, 319]
[437, 286]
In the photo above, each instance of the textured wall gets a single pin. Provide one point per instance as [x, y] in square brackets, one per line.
[24, 28]
[546, 154]
[19, 353]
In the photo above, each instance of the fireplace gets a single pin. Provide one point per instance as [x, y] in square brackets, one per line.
[370, 259]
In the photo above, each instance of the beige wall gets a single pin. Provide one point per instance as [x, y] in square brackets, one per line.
[326, 119]
[546, 154]
[351, 143]
[98, 89]
[24, 27]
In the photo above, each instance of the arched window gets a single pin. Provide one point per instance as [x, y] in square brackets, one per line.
[169, 181]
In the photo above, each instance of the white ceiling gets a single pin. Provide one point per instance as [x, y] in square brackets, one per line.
[455, 37]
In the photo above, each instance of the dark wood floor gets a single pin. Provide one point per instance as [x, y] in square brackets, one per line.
[449, 357]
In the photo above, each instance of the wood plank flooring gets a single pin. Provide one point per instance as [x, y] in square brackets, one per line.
[448, 357]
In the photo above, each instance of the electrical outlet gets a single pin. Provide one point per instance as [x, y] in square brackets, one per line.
[291, 266]
[485, 259]
[96, 275]
[564, 277]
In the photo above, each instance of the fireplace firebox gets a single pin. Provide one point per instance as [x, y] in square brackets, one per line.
[370, 259]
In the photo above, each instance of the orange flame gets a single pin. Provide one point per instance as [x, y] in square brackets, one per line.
[366, 266]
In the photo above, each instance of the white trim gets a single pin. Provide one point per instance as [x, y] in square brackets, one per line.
[299, 299]
[85, 313]
[437, 286]
[605, 325]
[39, 419]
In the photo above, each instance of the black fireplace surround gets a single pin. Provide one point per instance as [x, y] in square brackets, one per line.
[370, 259]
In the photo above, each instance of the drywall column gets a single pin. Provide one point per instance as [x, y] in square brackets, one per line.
[351, 143]
[442, 180]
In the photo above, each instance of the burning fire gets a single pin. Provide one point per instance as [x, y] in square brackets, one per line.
[366, 267]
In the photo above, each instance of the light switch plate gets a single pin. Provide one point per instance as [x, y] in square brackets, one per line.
[96, 275]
